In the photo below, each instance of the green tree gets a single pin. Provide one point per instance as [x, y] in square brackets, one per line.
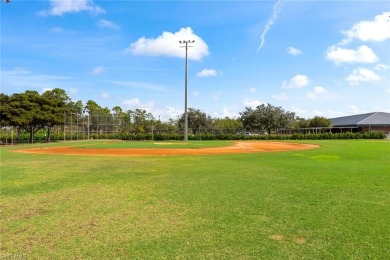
[227, 125]
[250, 119]
[121, 120]
[4, 110]
[92, 108]
[300, 123]
[24, 111]
[54, 106]
[141, 120]
[117, 110]
[267, 117]
[319, 121]
[197, 120]
[97, 116]
[75, 107]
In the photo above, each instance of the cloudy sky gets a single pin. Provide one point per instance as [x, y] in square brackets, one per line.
[326, 58]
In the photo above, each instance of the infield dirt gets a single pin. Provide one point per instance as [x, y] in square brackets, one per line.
[238, 147]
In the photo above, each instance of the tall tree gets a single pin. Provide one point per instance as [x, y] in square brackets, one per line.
[25, 111]
[75, 107]
[94, 111]
[141, 119]
[121, 120]
[54, 106]
[197, 120]
[250, 119]
[117, 110]
[4, 110]
[267, 117]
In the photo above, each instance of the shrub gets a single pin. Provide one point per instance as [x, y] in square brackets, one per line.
[40, 136]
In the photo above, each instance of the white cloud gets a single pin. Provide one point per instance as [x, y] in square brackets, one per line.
[317, 91]
[207, 73]
[17, 71]
[60, 30]
[298, 110]
[332, 114]
[71, 6]
[381, 67]
[46, 89]
[311, 95]
[131, 102]
[313, 112]
[270, 22]
[167, 44]
[172, 112]
[216, 95]
[253, 103]
[380, 108]
[104, 95]
[227, 113]
[98, 70]
[353, 109]
[22, 77]
[73, 91]
[57, 30]
[150, 107]
[138, 85]
[362, 75]
[252, 90]
[376, 30]
[294, 51]
[107, 24]
[298, 81]
[281, 96]
[363, 54]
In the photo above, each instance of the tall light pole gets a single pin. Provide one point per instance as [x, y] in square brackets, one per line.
[186, 42]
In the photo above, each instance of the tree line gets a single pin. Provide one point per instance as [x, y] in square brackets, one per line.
[31, 111]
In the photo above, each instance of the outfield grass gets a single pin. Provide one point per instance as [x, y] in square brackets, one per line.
[327, 203]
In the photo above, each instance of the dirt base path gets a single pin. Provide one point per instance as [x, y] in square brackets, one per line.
[238, 147]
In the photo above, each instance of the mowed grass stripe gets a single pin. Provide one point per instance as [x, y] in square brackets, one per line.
[328, 203]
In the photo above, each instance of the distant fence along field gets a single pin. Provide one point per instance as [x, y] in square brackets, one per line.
[79, 127]
[10, 135]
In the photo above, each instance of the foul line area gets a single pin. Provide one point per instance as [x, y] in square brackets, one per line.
[240, 147]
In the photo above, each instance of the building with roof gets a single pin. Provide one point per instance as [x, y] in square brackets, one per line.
[369, 122]
[376, 121]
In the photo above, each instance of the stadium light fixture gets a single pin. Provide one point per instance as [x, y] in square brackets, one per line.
[185, 43]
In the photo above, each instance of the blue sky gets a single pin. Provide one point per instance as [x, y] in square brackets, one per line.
[325, 58]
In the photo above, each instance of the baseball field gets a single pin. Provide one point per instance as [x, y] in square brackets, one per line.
[104, 199]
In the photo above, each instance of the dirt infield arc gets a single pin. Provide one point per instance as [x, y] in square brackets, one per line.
[238, 147]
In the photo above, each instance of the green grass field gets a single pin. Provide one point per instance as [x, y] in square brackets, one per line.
[328, 203]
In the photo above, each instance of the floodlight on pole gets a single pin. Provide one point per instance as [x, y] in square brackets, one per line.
[186, 42]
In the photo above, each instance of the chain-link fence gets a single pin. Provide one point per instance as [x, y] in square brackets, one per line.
[88, 127]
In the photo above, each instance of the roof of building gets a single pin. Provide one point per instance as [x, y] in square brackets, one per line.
[376, 118]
